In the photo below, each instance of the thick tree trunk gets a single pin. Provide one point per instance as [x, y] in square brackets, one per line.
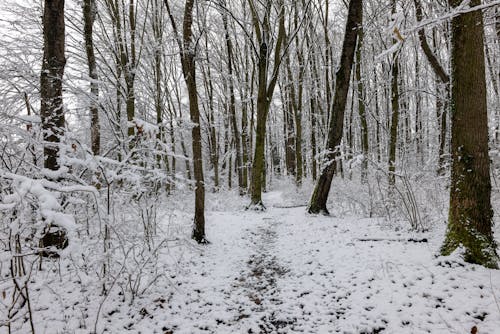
[260, 133]
[336, 124]
[470, 217]
[89, 13]
[52, 109]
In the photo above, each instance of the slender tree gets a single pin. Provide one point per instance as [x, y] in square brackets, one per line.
[470, 217]
[395, 108]
[266, 85]
[89, 13]
[336, 123]
[361, 105]
[232, 104]
[188, 52]
[443, 84]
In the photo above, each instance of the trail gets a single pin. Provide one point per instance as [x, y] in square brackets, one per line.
[284, 271]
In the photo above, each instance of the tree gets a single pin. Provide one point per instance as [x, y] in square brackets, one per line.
[361, 105]
[266, 85]
[187, 49]
[393, 139]
[470, 216]
[89, 13]
[52, 108]
[336, 124]
[444, 78]
[232, 105]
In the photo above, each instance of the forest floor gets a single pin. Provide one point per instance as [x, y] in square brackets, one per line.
[285, 271]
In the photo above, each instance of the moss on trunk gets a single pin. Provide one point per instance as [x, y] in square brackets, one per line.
[470, 216]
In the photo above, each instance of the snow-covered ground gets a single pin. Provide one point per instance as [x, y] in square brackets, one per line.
[284, 271]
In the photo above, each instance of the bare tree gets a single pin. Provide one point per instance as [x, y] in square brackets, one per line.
[89, 13]
[187, 49]
[52, 108]
[336, 125]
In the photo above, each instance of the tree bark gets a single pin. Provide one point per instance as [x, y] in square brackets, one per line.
[336, 123]
[188, 52]
[232, 107]
[393, 139]
[89, 13]
[470, 217]
[265, 91]
[362, 107]
[52, 108]
[189, 71]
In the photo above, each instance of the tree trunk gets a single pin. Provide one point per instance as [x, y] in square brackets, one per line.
[470, 217]
[52, 108]
[188, 52]
[189, 71]
[298, 103]
[213, 141]
[336, 124]
[445, 81]
[362, 108]
[393, 139]
[260, 134]
[232, 108]
[418, 113]
[289, 128]
[265, 91]
[89, 13]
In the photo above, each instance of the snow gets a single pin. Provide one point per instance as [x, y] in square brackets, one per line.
[278, 271]
[289, 272]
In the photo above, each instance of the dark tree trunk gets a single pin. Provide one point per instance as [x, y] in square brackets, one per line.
[52, 109]
[470, 216]
[189, 70]
[89, 13]
[260, 133]
[290, 158]
[265, 91]
[393, 135]
[336, 124]
[362, 108]
[188, 52]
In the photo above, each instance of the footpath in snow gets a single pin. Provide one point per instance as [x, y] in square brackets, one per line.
[284, 271]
